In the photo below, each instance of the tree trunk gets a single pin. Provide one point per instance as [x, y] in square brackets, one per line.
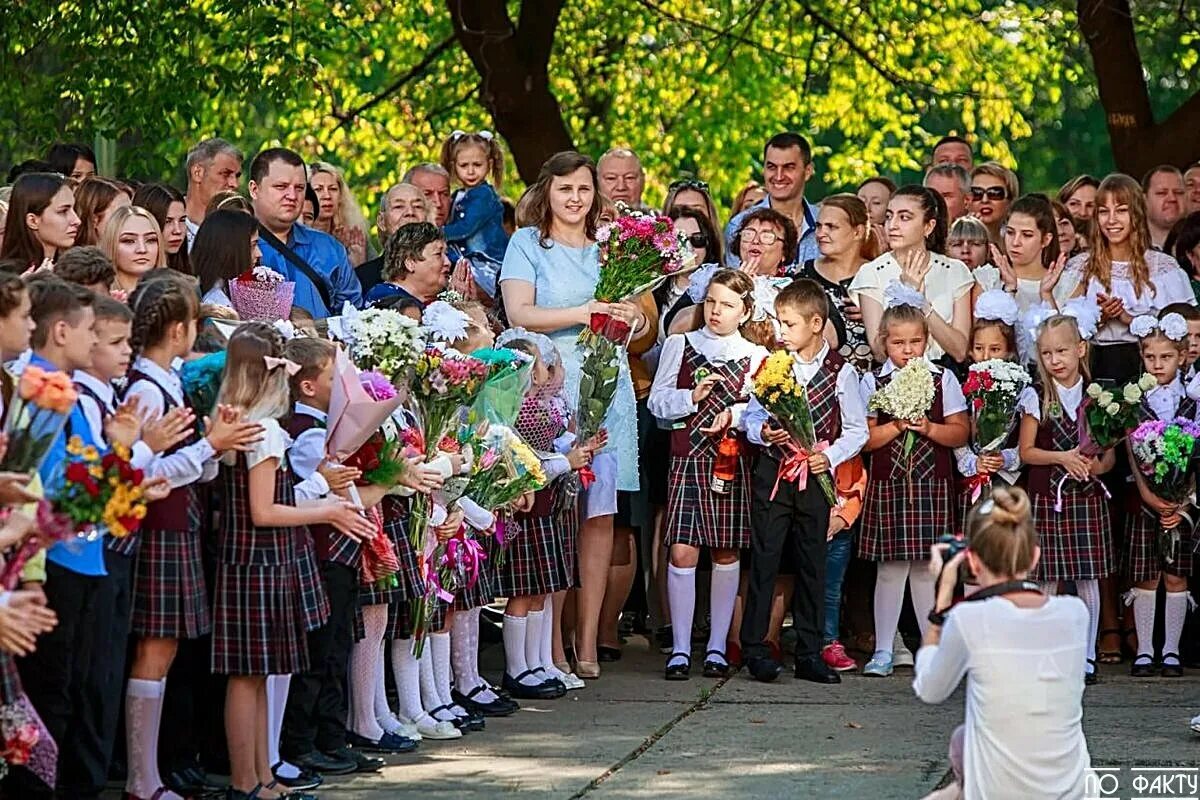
[512, 62]
[1139, 143]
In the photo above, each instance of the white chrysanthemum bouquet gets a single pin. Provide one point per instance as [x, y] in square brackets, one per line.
[992, 388]
[908, 396]
[382, 340]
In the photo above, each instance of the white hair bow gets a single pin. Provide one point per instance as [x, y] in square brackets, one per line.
[445, 322]
[900, 294]
[541, 341]
[998, 305]
[1173, 326]
[1086, 314]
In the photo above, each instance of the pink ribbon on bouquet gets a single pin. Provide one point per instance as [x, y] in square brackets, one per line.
[794, 466]
[435, 585]
[1058, 491]
[976, 482]
[468, 554]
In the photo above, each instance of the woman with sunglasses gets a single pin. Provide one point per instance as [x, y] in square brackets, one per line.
[993, 189]
[692, 193]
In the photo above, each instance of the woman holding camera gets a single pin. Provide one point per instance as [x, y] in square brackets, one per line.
[1023, 653]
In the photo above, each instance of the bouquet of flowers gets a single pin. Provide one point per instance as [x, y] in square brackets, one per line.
[992, 387]
[908, 396]
[381, 457]
[453, 565]
[261, 293]
[382, 340]
[500, 398]
[101, 491]
[1166, 454]
[776, 389]
[1108, 415]
[51, 527]
[504, 469]
[24, 741]
[40, 407]
[380, 563]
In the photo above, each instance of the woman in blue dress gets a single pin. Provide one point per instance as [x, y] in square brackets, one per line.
[548, 282]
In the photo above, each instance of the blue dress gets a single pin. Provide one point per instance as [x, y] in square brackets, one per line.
[564, 277]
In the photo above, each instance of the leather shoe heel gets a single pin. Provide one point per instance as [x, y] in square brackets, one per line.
[817, 671]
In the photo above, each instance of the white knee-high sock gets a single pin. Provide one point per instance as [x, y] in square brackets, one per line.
[681, 595]
[407, 672]
[383, 712]
[277, 692]
[1143, 620]
[889, 599]
[533, 643]
[1174, 613]
[922, 584]
[364, 672]
[723, 589]
[546, 640]
[431, 699]
[514, 648]
[476, 680]
[143, 716]
[440, 648]
[1089, 593]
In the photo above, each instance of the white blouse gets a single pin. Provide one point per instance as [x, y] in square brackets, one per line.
[1171, 285]
[1029, 291]
[1068, 398]
[1164, 400]
[666, 401]
[948, 280]
[953, 399]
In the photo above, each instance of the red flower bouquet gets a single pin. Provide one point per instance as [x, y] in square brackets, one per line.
[263, 294]
[101, 491]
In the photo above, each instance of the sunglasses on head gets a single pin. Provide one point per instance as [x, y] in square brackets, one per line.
[698, 239]
[688, 183]
[991, 193]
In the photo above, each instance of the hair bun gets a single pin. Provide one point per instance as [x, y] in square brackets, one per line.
[1009, 507]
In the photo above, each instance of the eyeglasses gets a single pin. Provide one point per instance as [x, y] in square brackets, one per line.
[698, 240]
[688, 183]
[991, 193]
[762, 237]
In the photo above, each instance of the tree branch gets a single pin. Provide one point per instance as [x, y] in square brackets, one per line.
[416, 71]
[536, 26]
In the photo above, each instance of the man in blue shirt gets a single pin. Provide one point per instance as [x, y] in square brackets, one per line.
[787, 167]
[277, 181]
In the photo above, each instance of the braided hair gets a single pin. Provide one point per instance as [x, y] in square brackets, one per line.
[162, 298]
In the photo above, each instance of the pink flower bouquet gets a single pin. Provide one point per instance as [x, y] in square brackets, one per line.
[262, 294]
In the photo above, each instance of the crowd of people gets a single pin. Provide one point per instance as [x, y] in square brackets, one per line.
[257, 648]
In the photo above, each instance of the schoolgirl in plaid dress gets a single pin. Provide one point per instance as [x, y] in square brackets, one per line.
[258, 614]
[700, 389]
[1070, 507]
[992, 337]
[910, 497]
[539, 564]
[1151, 556]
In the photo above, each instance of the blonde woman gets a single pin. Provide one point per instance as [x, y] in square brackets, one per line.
[338, 213]
[134, 244]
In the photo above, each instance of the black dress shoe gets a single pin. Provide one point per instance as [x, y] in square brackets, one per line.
[1143, 667]
[473, 721]
[497, 708]
[541, 691]
[1171, 670]
[388, 743]
[325, 763]
[361, 761]
[678, 671]
[608, 654]
[303, 781]
[716, 667]
[763, 669]
[816, 670]
[183, 782]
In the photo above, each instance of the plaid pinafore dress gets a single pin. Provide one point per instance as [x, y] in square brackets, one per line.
[170, 598]
[696, 515]
[535, 561]
[1144, 558]
[258, 610]
[411, 586]
[1076, 542]
[910, 499]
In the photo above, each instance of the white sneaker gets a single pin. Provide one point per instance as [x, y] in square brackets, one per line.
[901, 655]
[437, 730]
[1195, 724]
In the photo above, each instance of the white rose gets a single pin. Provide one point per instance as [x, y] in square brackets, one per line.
[1147, 382]
[1113, 409]
[1094, 390]
[1105, 398]
[1132, 393]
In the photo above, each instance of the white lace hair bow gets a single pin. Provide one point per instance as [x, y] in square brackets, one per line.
[458, 134]
[1173, 326]
[899, 294]
[543, 343]
[1085, 313]
[764, 293]
[445, 322]
[997, 305]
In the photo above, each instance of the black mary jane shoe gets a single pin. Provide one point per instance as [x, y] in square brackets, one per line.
[607, 654]
[1172, 670]
[1143, 668]
[474, 721]
[678, 671]
[1093, 677]
[714, 668]
[541, 691]
[497, 708]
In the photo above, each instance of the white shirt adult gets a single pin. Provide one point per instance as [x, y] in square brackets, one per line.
[1171, 285]
[1024, 669]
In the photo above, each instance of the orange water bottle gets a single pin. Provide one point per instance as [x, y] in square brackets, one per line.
[725, 467]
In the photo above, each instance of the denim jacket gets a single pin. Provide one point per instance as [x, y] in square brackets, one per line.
[476, 223]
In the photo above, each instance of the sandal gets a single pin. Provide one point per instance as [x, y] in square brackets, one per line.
[1109, 655]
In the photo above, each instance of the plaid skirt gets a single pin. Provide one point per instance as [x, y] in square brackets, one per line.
[258, 622]
[484, 590]
[312, 588]
[700, 517]
[10, 679]
[1076, 543]
[534, 563]
[412, 582]
[170, 599]
[400, 623]
[902, 520]
[1144, 559]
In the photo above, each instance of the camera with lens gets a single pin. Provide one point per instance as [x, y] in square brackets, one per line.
[955, 544]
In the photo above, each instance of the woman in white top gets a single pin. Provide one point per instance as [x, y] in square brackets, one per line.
[226, 245]
[1123, 276]
[1023, 655]
[1030, 265]
[916, 231]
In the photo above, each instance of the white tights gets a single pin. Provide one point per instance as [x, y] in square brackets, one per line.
[889, 598]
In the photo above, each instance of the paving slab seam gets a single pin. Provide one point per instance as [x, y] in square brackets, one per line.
[651, 740]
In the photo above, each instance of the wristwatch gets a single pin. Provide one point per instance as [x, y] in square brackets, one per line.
[938, 617]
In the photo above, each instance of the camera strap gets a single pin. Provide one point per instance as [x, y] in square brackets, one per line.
[1008, 587]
